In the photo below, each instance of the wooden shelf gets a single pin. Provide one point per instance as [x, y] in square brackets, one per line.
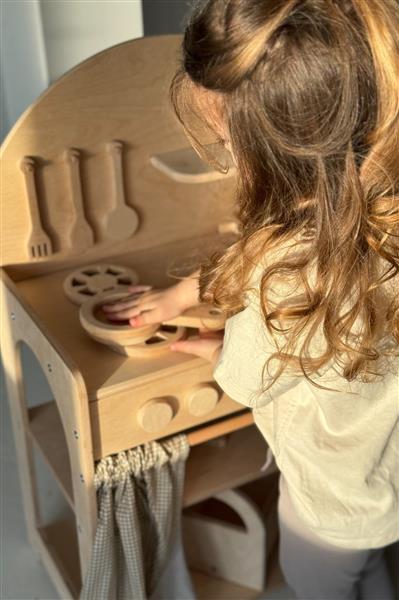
[46, 431]
[184, 165]
[61, 546]
[209, 469]
[219, 428]
[207, 587]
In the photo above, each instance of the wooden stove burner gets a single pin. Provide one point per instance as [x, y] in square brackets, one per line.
[93, 286]
[90, 281]
[143, 341]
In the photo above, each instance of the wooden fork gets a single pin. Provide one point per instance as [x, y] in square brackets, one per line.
[39, 243]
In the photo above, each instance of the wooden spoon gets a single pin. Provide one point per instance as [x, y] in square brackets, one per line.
[202, 316]
[122, 221]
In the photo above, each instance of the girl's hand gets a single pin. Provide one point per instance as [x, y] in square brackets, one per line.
[146, 306]
[207, 345]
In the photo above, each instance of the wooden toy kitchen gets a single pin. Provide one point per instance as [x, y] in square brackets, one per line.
[101, 190]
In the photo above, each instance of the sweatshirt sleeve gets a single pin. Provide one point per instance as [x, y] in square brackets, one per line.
[246, 348]
[248, 344]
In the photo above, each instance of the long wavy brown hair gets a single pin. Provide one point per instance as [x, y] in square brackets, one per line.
[308, 91]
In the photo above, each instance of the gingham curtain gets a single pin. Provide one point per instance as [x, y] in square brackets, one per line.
[137, 553]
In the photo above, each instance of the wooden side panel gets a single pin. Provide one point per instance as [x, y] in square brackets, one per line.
[69, 392]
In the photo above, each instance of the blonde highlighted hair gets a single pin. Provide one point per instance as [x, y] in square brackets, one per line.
[308, 91]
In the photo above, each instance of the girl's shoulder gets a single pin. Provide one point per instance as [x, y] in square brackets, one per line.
[285, 285]
[285, 290]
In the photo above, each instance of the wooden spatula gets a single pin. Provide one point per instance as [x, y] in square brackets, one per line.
[80, 234]
[39, 243]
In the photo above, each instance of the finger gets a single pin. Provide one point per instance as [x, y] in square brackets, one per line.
[211, 334]
[130, 312]
[136, 296]
[123, 315]
[139, 288]
[145, 303]
[147, 299]
[142, 291]
[196, 347]
[145, 318]
[120, 305]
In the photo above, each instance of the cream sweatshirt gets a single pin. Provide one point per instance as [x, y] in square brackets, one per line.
[338, 450]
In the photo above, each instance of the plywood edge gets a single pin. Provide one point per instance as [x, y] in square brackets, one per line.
[211, 431]
[12, 289]
[66, 382]
[46, 431]
[58, 548]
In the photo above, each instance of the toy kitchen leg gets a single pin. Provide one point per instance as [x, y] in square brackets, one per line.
[69, 394]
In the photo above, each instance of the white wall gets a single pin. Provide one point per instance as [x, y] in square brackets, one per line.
[76, 29]
[42, 39]
[23, 60]
[39, 41]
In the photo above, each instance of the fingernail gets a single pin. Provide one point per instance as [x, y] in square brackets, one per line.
[172, 347]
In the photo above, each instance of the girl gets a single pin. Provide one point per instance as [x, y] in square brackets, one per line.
[304, 93]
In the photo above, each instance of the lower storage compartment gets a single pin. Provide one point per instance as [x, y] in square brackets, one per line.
[213, 468]
[233, 534]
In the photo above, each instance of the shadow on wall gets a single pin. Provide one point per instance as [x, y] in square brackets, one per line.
[165, 16]
[392, 555]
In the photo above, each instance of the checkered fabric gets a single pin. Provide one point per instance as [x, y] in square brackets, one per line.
[139, 495]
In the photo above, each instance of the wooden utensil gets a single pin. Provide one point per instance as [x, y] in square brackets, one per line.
[122, 221]
[80, 234]
[39, 243]
[203, 316]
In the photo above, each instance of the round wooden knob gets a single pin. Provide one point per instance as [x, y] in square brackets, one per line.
[155, 415]
[202, 399]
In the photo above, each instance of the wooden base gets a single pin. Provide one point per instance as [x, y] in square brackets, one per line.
[210, 588]
[210, 468]
[61, 544]
[58, 548]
